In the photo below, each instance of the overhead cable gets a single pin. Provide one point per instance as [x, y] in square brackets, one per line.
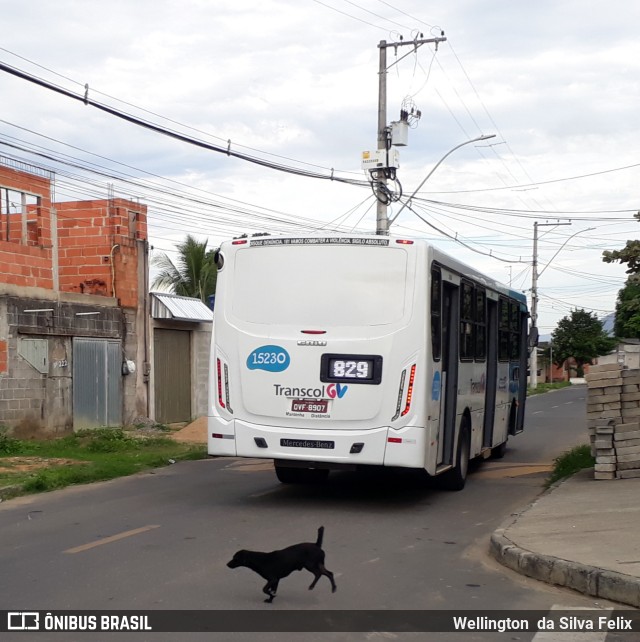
[173, 134]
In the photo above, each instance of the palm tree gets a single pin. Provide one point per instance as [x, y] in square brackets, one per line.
[193, 274]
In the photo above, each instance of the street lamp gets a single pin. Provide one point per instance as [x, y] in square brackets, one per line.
[473, 140]
[533, 361]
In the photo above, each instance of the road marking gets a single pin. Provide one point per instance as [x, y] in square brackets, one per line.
[503, 471]
[569, 636]
[512, 464]
[112, 538]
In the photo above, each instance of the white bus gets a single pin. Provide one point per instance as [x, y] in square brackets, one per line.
[351, 351]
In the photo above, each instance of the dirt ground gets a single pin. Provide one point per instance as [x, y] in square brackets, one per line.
[27, 464]
[193, 433]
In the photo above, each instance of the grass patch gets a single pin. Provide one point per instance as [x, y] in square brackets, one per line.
[8, 446]
[28, 466]
[570, 463]
[546, 387]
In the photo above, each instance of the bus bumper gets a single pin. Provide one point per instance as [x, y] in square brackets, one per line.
[375, 447]
[406, 447]
[221, 437]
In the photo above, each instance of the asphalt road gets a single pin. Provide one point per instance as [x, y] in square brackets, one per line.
[162, 540]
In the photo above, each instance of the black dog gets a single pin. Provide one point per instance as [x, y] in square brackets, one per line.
[278, 564]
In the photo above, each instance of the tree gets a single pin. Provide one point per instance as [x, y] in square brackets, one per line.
[627, 323]
[581, 336]
[629, 254]
[193, 274]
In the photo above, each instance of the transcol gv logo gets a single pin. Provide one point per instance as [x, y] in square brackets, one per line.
[336, 390]
[332, 391]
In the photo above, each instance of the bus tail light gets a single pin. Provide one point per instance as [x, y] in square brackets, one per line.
[412, 377]
[223, 385]
[220, 399]
[407, 406]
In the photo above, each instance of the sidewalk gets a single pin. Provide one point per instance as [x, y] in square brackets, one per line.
[583, 534]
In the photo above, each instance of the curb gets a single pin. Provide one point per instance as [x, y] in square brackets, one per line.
[590, 580]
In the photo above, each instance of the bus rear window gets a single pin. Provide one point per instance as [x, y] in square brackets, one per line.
[320, 286]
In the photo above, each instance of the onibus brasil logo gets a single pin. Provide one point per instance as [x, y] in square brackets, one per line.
[332, 391]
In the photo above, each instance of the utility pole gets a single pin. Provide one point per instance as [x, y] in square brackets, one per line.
[382, 221]
[533, 359]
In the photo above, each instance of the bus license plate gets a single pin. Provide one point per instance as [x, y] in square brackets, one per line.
[310, 405]
[307, 443]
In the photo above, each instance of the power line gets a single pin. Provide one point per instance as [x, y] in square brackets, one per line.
[170, 120]
[377, 15]
[458, 240]
[168, 205]
[173, 134]
[548, 182]
[348, 15]
[554, 214]
[109, 174]
[409, 15]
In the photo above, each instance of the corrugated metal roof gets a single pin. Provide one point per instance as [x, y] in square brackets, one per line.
[181, 308]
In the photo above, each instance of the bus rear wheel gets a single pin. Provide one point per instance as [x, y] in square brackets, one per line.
[456, 478]
[290, 475]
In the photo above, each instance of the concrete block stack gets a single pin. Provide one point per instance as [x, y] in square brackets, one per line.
[613, 415]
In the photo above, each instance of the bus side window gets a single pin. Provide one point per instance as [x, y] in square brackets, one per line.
[514, 331]
[503, 331]
[436, 313]
[481, 324]
[467, 318]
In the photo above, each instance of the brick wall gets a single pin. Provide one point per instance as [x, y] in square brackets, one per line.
[43, 398]
[30, 264]
[98, 269]
[4, 357]
[201, 356]
[98, 242]
[98, 247]
[613, 414]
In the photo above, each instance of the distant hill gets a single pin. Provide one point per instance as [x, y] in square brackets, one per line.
[608, 322]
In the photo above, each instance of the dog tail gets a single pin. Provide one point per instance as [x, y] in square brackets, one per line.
[320, 534]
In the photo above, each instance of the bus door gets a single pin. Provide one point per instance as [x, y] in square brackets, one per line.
[492, 373]
[522, 390]
[450, 360]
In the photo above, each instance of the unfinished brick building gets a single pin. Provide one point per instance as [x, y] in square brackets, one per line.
[74, 344]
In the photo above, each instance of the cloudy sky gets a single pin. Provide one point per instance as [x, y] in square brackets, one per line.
[295, 84]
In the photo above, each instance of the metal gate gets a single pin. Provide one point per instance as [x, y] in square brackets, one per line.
[97, 383]
[172, 375]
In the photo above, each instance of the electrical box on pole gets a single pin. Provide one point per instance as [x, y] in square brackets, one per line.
[381, 159]
[389, 137]
[400, 133]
